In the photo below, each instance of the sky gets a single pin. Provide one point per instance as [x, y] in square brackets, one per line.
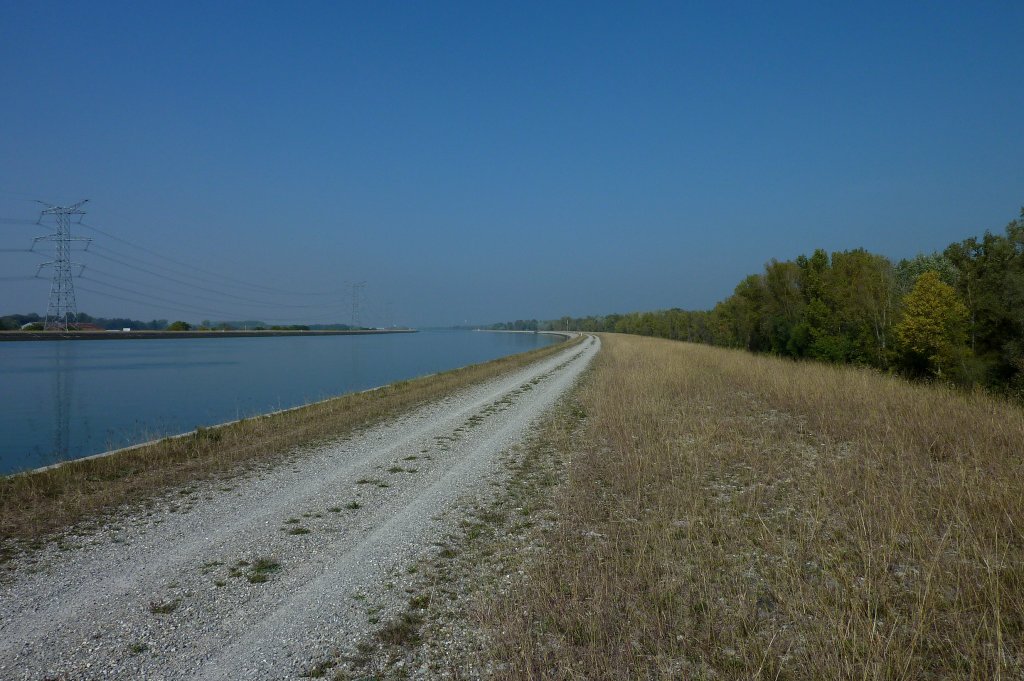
[476, 162]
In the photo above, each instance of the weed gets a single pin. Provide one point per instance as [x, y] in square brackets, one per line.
[353, 505]
[261, 569]
[320, 669]
[207, 568]
[164, 607]
[403, 630]
[298, 530]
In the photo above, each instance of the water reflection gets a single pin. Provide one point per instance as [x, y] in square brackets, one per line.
[64, 400]
[63, 386]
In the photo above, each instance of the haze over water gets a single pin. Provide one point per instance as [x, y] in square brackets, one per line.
[71, 399]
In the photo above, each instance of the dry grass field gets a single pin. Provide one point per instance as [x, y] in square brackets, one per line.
[726, 515]
[33, 505]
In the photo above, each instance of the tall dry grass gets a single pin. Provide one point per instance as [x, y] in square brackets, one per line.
[33, 505]
[736, 516]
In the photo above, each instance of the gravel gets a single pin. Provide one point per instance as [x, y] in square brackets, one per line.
[264, 574]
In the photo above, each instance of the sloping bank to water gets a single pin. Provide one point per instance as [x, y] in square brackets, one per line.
[265, 572]
[35, 504]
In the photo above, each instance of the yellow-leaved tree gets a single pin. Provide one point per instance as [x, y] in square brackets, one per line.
[933, 331]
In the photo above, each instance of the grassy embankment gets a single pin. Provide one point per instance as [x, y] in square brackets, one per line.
[725, 515]
[33, 505]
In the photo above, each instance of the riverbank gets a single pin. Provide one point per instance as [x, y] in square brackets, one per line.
[34, 505]
[151, 335]
[268, 572]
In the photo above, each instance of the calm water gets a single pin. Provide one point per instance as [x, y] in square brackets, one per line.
[61, 400]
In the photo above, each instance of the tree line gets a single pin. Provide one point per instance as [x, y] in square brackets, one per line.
[955, 315]
[13, 322]
[35, 322]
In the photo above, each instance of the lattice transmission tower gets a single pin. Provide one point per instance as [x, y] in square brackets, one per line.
[357, 289]
[62, 307]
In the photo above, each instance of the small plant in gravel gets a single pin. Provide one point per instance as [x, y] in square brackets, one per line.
[261, 569]
[396, 469]
[320, 669]
[334, 509]
[164, 607]
[137, 648]
[410, 458]
[403, 630]
[353, 505]
[292, 521]
[492, 517]
[298, 530]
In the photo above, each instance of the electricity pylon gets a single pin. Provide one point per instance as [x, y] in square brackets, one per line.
[357, 287]
[62, 306]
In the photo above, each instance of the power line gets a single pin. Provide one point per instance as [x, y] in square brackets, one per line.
[153, 265]
[95, 248]
[225, 277]
[93, 270]
[63, 306]
[181, 282]
[180, 307]
[191, 310]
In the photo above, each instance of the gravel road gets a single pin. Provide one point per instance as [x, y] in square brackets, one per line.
[259, 575]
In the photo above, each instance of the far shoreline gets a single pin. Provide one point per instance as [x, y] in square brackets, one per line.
[151, 334]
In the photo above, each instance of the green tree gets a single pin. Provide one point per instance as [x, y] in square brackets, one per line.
[933, 331]
[179, 326]
[861, 287]
[783, 306]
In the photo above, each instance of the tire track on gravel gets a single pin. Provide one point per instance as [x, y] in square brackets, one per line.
[86, 615]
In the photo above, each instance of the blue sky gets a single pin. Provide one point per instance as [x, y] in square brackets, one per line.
[481, 162]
